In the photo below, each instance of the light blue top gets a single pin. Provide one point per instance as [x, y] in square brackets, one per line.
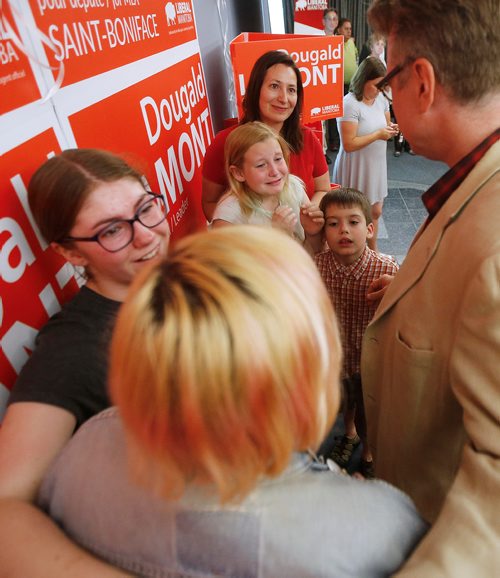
[309, 522]
[364, 169]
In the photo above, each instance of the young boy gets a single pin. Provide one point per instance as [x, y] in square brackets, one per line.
[348, 267]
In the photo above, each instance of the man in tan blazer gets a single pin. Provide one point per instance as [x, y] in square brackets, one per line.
[431, 355]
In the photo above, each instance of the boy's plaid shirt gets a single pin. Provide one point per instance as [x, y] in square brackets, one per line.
[347, 286]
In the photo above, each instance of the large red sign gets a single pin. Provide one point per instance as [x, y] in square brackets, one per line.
[308, 16]
[319, 58]
[94, 36]
[133, 84]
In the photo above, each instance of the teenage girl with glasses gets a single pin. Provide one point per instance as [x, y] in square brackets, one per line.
[93, 209]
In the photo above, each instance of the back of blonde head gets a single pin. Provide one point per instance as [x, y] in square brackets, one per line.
[225, 360]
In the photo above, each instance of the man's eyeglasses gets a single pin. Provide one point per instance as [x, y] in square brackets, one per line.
[120, 233]
[383, 85]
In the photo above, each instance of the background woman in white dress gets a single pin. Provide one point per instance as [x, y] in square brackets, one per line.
[364, 131]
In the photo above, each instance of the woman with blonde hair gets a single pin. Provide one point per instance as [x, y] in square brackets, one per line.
[225, 371]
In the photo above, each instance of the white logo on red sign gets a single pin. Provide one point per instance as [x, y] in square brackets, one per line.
[170, 14]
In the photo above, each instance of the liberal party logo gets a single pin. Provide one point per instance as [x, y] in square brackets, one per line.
[170, 14]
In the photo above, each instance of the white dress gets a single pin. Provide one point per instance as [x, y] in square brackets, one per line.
[366, 168]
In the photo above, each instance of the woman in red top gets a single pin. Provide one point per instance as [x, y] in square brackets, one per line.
[274, 96]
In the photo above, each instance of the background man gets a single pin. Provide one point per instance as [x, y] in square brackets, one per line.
[330, 133]
[330, 21]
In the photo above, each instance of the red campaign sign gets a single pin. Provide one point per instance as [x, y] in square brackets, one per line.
[320, 60]
[309, 13]
[94, 36]
[161, 124]
[33, 279]
[17, 83]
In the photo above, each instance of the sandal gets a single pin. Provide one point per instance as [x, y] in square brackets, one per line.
[343, 450]
[366, 469]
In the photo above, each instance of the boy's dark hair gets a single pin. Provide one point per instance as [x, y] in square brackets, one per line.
[346, 197]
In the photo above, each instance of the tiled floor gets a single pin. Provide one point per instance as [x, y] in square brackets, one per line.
[408, 177]
[402, 215]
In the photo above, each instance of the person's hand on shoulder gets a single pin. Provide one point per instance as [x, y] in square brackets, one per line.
[377, 288]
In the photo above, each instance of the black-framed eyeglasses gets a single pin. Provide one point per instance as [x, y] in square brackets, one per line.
[120, 233]
[383, 85]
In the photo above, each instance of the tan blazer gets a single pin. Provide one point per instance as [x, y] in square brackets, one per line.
[431, 380]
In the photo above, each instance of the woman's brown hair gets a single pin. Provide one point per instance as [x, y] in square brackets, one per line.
[291, 131]
[371, 68]
[59, 187]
